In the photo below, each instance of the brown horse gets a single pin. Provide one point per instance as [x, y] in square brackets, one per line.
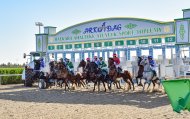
[82, 75]
[116, 77]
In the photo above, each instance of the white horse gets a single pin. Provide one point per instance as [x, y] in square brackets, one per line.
[148, 74]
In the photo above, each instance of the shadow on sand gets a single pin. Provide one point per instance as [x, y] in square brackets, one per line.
[138, 99]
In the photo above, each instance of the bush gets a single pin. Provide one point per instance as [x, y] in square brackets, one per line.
[11, 79]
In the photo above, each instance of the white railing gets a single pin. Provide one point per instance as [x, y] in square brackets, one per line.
[1, 75]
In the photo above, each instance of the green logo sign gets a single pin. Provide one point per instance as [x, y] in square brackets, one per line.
[39, 44]
[130, 26]
[182, 31]
[76, 31]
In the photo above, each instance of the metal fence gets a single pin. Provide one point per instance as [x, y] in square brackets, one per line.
[9, 75]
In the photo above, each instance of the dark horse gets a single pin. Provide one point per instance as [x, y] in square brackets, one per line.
[92, 73]
[140, 72]
[126, 76]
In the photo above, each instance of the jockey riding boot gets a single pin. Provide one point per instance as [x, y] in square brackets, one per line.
[154, 72]
[72, 73]
[119, 69]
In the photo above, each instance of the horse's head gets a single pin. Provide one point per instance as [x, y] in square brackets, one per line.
[82, 63]
[93, 67]
[144, 62]
[110, 62]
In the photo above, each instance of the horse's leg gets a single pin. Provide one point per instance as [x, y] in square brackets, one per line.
[137, 80]
[132, 83]
[119, 85]
[116, 83]
[109, 85]
[104, 85]
[98, 85]
[149, 82]
[82, 83]
[140, 84]
[154, 84]
[94, 86]
[66, 84]
[144, 84]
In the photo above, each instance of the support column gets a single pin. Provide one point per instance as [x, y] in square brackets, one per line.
[118, 53]
[82, 56]
[128, 54]
[151, 51]
[164, 53]
[72, 56]
[103, 55]
[92, 54]
[177, 50]
[64, 55]
[108, 54]
[98, 53]
[138, 50]
[55, 56]
[48, 58]
[88, 54]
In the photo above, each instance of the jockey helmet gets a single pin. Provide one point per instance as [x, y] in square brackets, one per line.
[100, 58]
[87, 59]
[61, 59]
[65, 59]
[149, 57]
[114, 55]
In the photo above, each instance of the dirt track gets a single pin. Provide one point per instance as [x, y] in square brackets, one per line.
[19, 102]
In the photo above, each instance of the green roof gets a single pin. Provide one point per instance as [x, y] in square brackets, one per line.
[185, 9]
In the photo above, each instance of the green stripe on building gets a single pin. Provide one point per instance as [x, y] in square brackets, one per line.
[107, 44]
[156, 40]
[51, 47]
[59, 47]
[143, 41]
[119, 43]
[78, 46]
[131, 42]
[98, 44]
[69, 46]
[87, 45]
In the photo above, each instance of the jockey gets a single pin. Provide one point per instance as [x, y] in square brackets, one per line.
[152, 65]
[87, 64]
[70, 66]
[117, 62]
[96, 60]
[42, 63]
[102, 64]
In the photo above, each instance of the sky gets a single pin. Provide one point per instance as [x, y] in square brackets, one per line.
[18, 17]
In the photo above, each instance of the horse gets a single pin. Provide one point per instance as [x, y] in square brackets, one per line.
[94, 74]
[148, 74]
[140, 72]
[57, 74]
[81, 75]
[117, 76]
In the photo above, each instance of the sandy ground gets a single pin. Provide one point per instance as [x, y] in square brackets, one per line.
[18, 102]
